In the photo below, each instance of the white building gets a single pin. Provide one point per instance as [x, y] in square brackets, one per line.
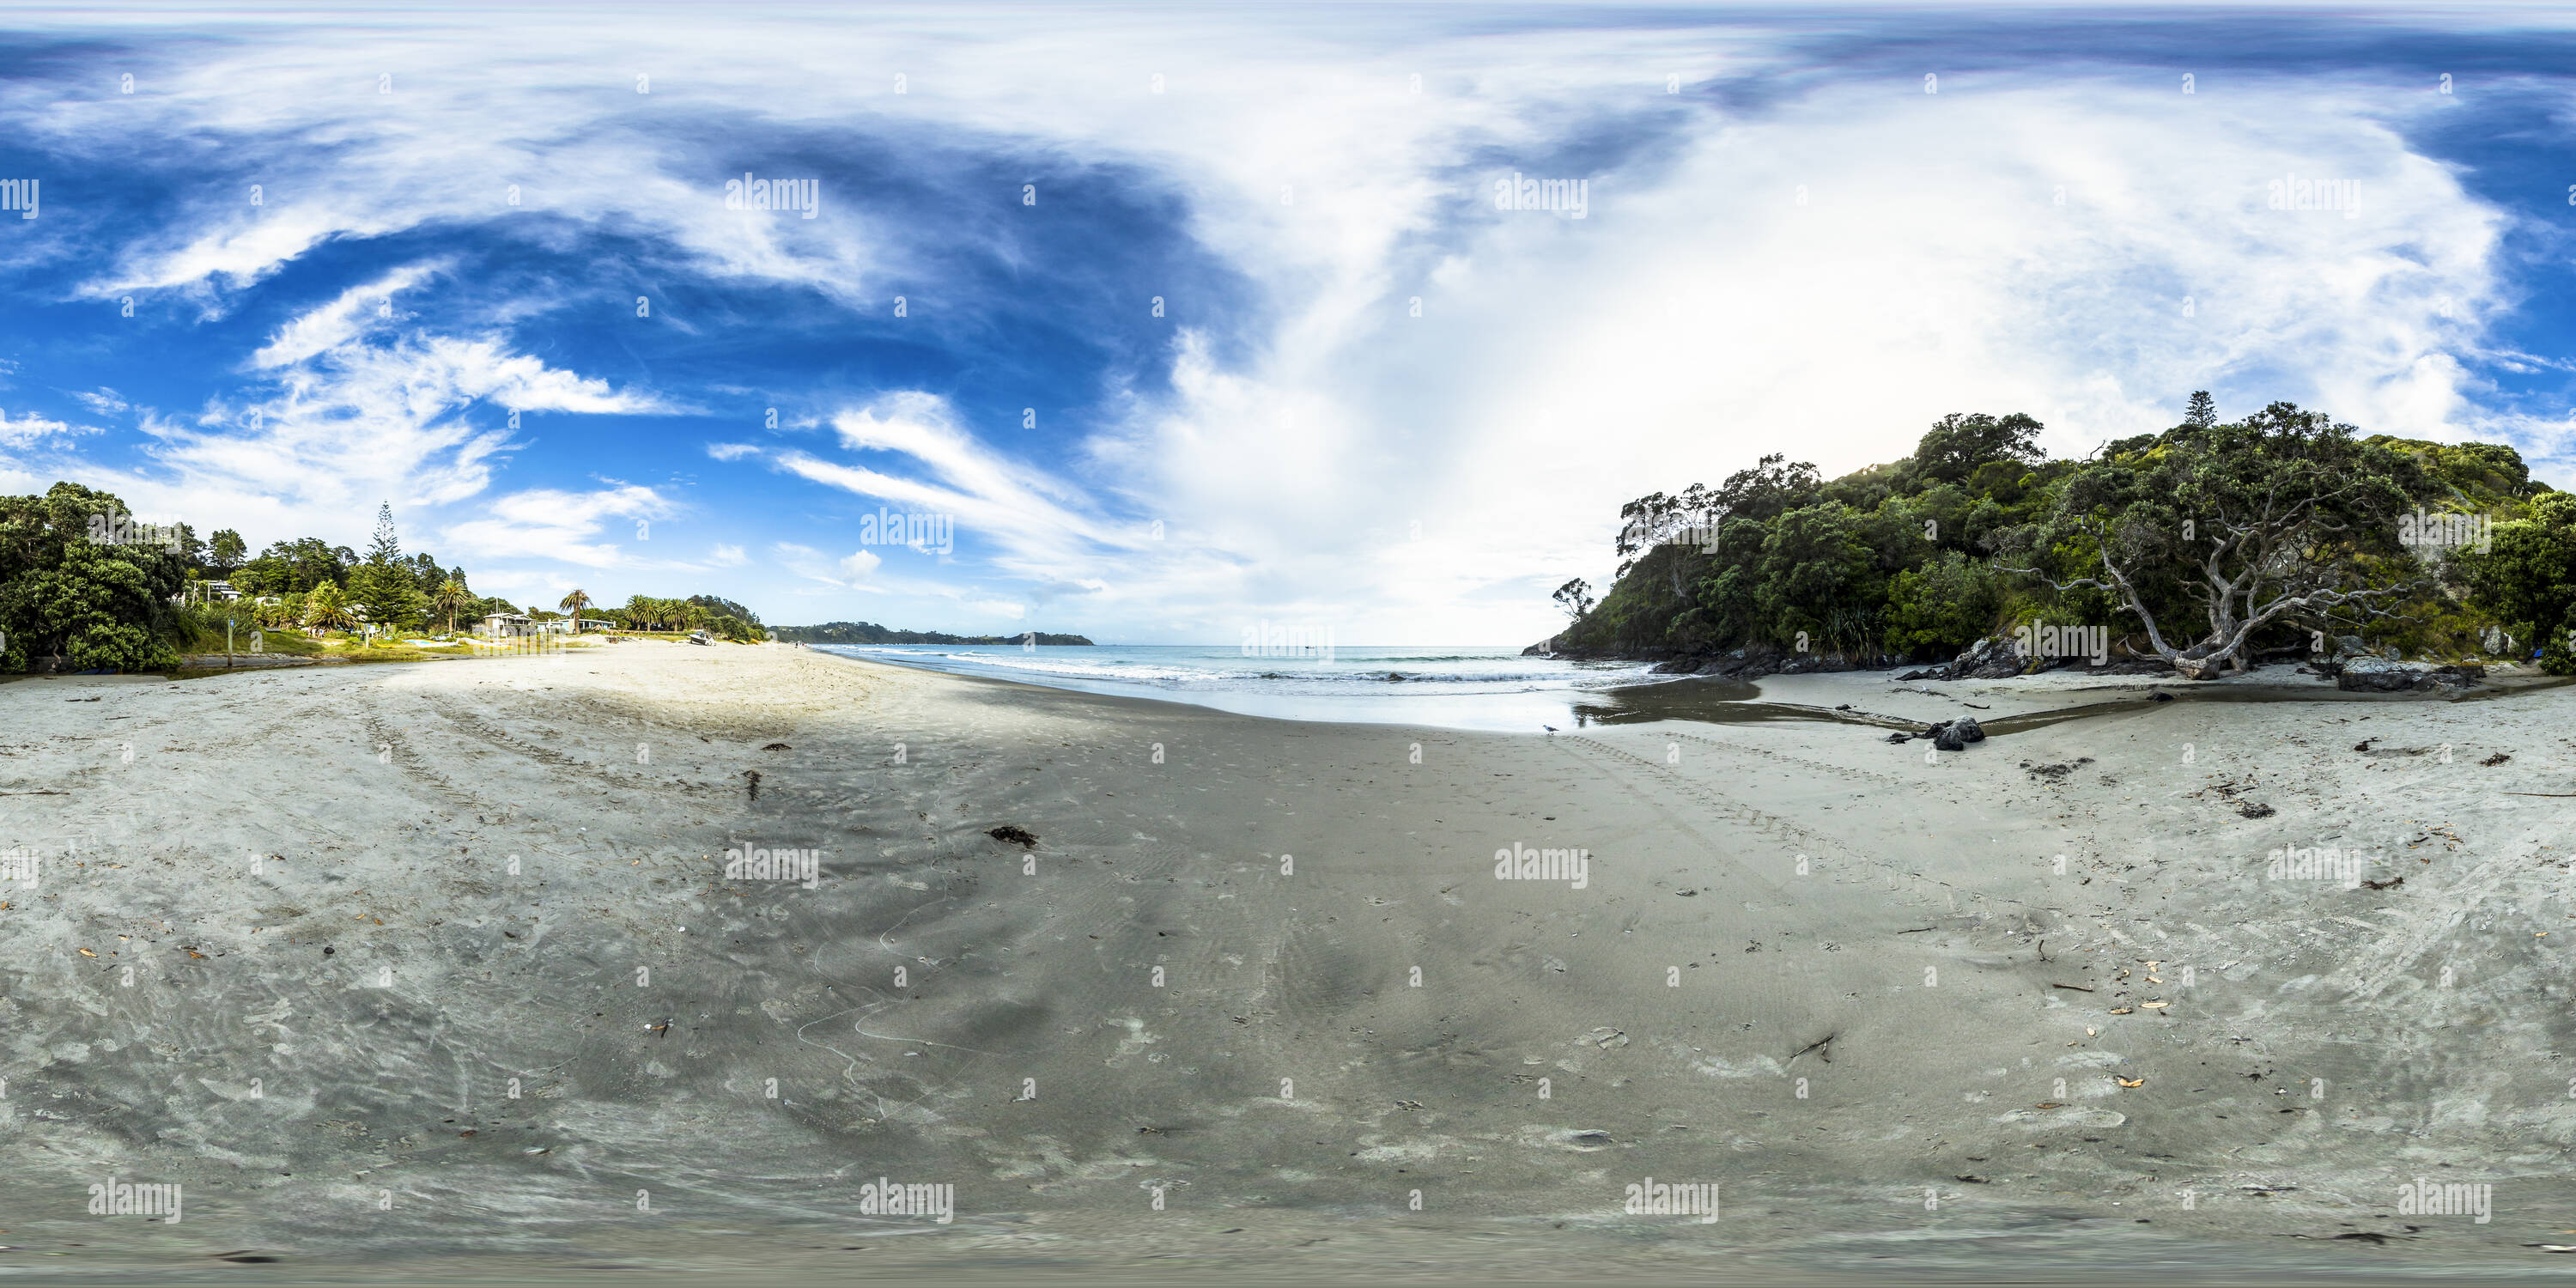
[205, 592]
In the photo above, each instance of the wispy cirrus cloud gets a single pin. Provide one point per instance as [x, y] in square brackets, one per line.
[102, 401]
[918, 457]
[334, 325]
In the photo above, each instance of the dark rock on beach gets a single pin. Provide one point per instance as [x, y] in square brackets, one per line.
[2380, 675]
[1950, 735]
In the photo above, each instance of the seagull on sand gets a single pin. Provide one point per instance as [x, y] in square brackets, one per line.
[1549, 727]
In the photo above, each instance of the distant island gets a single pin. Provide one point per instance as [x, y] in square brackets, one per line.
[871, 633]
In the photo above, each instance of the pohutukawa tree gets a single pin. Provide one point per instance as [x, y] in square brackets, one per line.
[2283, 515]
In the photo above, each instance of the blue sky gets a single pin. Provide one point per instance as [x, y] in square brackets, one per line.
[1210, 319]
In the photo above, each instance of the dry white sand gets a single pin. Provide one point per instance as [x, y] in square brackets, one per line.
[1263, 975]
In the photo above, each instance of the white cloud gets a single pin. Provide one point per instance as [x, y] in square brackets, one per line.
[357, 311]
[725, 556]
[860, 566]
[545, 523]
[31, 430]
[103, 402]
[355, 411]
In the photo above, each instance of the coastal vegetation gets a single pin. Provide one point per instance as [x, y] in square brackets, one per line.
[72, 602]
[2202, 548]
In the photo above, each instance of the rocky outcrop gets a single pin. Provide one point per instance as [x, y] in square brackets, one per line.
[1987, 659]
[2381, 675]
[1751, 662]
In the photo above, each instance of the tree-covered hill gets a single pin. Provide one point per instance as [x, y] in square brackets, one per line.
[871, 633]
[2199, 548]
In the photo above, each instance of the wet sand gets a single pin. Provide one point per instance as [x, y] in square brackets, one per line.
[1256, 1003]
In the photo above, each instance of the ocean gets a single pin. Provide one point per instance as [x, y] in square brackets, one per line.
[1453, 687]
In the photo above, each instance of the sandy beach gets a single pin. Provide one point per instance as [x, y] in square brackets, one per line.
[393, 960]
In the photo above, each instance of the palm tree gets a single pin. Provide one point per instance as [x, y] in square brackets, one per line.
[574, 603]
[450, 597]
[326, 607]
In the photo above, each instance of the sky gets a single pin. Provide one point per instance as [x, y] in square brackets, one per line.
[1160, 324]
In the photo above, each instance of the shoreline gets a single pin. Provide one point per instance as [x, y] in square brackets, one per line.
[1723, 700]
